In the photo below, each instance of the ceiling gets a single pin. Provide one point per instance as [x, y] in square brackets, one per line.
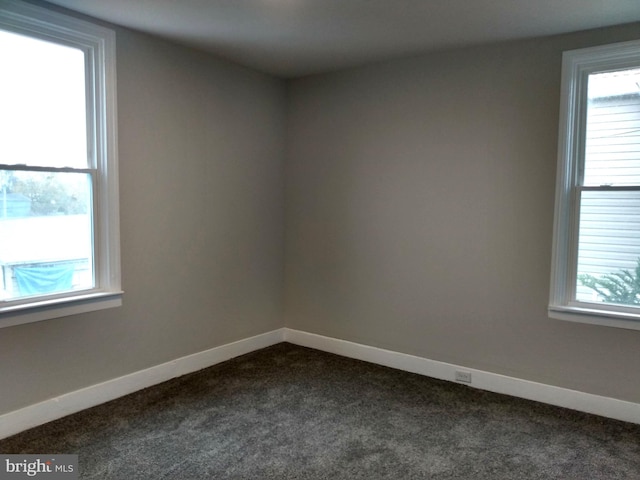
[291, 38]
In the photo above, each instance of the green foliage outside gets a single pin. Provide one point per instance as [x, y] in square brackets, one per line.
[622, 287]
[49, 196]
[49, 193]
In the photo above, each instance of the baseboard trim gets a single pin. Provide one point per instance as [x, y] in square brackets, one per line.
[562, 397]
[52, 409]
[72, 402]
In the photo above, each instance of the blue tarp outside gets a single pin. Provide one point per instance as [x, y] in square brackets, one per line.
[36, 280]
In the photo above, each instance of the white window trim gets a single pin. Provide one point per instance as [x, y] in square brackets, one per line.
[576, 66]
[99, 42]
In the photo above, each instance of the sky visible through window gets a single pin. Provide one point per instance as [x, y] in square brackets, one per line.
[611, 84]
[42, 93]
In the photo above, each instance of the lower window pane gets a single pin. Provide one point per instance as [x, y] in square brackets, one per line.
[609, 247]
[46, 238]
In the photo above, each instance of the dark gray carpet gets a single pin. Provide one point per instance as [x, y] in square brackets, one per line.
[288, 412]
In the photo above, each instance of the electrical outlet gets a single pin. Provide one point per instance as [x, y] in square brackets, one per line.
[463, 377]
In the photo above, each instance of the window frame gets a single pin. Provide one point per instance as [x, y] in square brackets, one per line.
[577, 65]
[98, 43]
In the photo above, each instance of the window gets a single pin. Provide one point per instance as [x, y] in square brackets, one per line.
[59, 226]
[596, 249]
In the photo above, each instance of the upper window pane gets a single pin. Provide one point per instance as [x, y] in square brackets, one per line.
[612, 146]
[43, 119]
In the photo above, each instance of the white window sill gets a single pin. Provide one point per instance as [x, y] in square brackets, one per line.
[607, 318]
[59, 307]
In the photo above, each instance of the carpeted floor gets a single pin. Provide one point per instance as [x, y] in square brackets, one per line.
[288, 412]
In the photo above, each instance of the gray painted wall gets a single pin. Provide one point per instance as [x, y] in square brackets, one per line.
[201, 145]
[420, 198]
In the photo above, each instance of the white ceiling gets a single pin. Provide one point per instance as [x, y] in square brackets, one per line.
[291, 38]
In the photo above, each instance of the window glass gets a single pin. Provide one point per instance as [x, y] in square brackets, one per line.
[612, 146]
[43, 118]
[608, 266]
[609, 247]
[45, 233]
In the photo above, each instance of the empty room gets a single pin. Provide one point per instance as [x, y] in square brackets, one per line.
[320, 239]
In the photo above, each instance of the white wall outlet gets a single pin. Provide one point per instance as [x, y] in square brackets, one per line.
[463, 377]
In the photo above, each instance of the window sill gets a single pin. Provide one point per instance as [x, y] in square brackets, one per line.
[59, 307]
[630, 321]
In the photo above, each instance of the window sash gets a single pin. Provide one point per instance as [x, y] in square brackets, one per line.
[55, 143]
[96, 287]
[623, 222]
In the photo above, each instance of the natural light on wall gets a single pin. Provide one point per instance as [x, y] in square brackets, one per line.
[45, 215]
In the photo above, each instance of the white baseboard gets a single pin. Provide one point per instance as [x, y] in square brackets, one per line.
[562, 397]
[52, 409]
